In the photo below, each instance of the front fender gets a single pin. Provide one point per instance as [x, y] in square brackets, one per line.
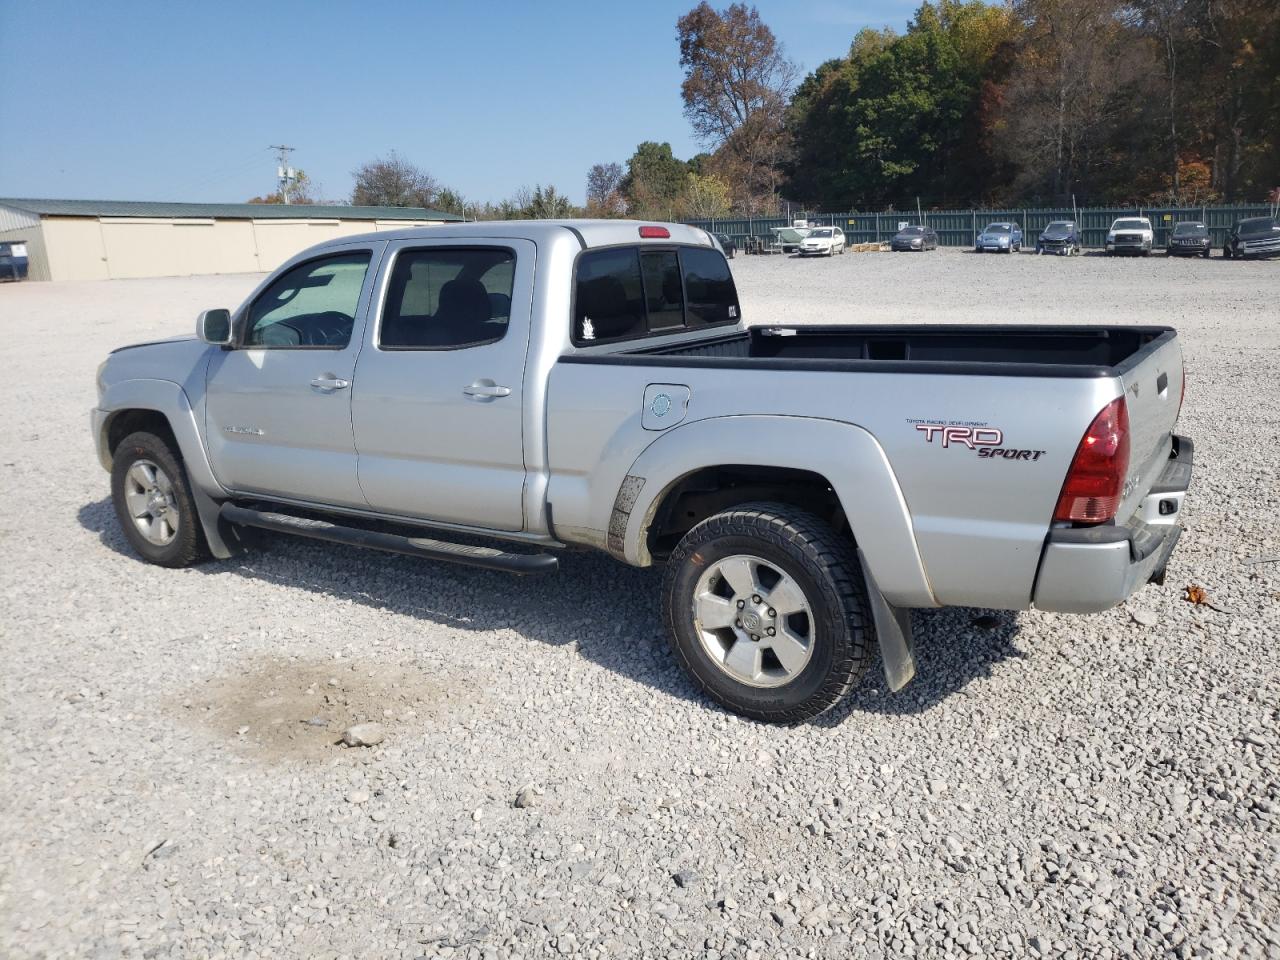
[167, 398]
[849, 457]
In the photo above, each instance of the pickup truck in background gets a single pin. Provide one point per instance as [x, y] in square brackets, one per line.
[594, 384]
[1130, 235]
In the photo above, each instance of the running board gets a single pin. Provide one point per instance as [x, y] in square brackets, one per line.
[488, 558]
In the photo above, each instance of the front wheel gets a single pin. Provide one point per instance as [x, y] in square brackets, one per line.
[767, 611]
[153, 502]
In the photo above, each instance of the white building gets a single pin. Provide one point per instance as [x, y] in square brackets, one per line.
[105, 239]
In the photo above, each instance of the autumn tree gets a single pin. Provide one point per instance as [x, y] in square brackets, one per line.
[393, 182]
[736, 83]
[703, 197]
[604, 190]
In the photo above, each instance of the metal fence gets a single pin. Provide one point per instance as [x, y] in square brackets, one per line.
[960, 228]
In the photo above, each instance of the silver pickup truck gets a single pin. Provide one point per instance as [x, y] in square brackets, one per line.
[547, 385]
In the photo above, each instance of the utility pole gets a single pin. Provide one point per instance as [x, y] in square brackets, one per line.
[286, 176]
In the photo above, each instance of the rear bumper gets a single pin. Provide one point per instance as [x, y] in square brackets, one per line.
[1088, 569]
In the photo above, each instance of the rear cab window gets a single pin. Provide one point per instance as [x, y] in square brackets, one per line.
[633, 292]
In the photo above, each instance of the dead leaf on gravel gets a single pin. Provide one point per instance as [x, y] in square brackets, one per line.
[1196, 594]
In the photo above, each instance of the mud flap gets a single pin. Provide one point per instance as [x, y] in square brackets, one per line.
[893, 628]
[225, 539]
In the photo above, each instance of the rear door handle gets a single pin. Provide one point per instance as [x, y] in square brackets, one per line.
[328, 383]
[485, 391]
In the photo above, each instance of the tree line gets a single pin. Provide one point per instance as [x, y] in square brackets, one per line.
[1029, 102]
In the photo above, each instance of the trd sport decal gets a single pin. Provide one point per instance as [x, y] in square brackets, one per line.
[986, 441]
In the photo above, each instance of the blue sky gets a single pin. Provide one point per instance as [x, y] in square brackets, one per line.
[179, 101]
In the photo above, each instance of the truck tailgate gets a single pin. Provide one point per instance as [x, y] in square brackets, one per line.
[1152, 381]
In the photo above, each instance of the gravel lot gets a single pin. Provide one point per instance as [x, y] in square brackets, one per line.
[1049, 786]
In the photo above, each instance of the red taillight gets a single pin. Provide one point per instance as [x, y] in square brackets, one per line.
[655, 233]
[1095, 482]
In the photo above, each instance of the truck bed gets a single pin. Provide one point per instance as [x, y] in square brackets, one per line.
[980, 522]
[1043, 351]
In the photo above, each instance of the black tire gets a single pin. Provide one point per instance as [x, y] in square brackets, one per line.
[188, 544]
[825, 567]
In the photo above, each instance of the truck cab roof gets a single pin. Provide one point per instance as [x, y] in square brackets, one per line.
[587, 233]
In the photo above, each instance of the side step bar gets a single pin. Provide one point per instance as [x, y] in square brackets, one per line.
[488, 558]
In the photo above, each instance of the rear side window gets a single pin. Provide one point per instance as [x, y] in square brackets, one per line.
[626, 293]
[446, 298]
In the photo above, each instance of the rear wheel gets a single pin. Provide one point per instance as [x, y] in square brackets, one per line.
[767, 611]
[153, 502]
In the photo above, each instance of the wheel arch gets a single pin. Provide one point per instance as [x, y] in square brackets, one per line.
[163, 406]
[837, 466]
[145, 404]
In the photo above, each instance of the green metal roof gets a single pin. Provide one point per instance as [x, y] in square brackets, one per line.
[240, 211]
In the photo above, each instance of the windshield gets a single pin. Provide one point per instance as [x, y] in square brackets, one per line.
[1131, 225]
[1190, 230]
[911, 231]
[996, 228]
[1059, 225]
[824, 234]
[1249, 228]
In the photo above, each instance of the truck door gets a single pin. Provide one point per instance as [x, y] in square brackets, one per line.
[437, 406]
[278, 405]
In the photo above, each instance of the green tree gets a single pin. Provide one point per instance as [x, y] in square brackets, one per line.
[896, 117]
[654, 180]
[545, 203]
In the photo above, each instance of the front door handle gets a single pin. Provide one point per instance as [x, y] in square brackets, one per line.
[327, 383]
[485, 391]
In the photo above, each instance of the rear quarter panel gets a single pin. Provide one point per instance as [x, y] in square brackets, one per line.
[978, 522]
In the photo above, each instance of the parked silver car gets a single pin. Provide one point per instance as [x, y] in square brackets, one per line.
[805, 487]
[1002, 237]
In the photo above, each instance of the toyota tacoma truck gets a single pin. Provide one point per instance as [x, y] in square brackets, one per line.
[541, 386]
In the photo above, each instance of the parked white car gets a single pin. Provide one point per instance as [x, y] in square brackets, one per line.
[823, 242]
[1130, 235]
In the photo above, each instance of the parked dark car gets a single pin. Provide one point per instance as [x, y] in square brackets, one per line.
[13, 261]
[727, 245]
[914, 237]
[1188, 239]
[1060, 237]
[1255, 237]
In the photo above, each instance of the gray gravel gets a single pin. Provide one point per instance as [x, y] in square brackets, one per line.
[549, 783]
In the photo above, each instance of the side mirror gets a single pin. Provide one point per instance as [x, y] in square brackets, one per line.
[214, 327]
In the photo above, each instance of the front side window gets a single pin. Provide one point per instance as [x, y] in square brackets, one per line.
[626, 293]
[312, 306]
[445, 298]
